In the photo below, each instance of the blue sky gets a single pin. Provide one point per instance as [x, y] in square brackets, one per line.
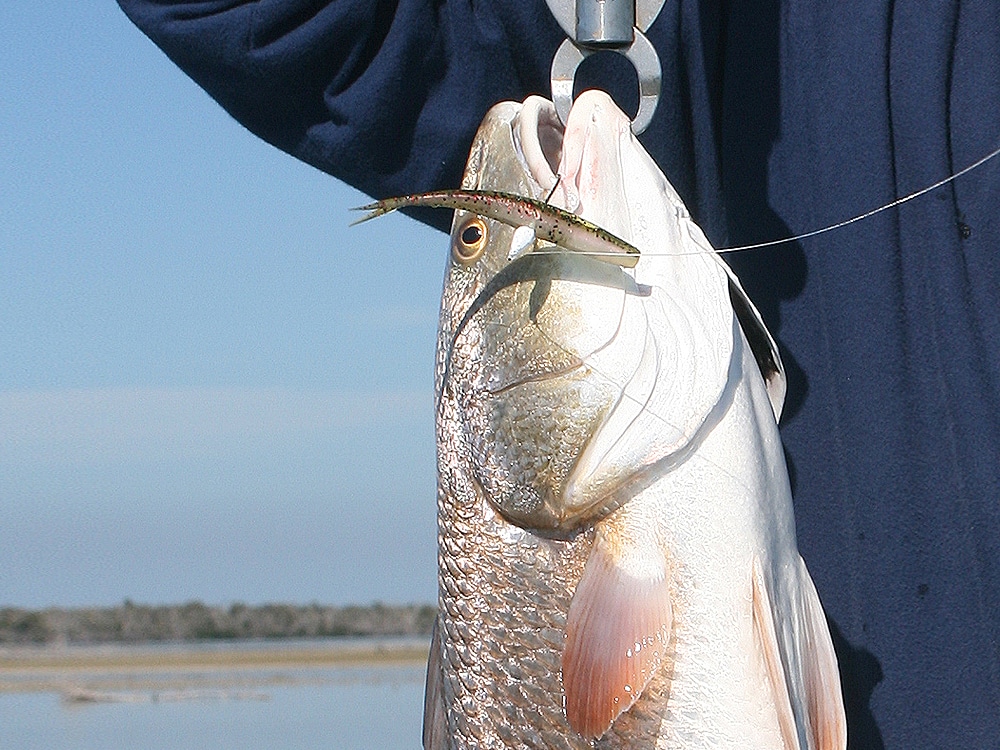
[210, 386]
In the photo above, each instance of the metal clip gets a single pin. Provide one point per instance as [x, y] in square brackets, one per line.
[600, 25]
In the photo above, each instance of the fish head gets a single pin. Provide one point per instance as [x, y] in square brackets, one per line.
[568, 379]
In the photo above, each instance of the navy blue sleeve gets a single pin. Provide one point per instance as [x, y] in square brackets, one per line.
[384, 95]
[387, 94]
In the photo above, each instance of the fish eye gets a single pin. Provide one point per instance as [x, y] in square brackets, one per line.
[470, 242]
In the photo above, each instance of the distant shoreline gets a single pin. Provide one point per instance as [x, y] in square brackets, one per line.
[68, 670]
[131, 623]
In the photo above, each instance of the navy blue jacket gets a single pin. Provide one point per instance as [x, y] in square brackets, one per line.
[778, 116]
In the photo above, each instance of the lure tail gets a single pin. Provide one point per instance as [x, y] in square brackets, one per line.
[379, 208]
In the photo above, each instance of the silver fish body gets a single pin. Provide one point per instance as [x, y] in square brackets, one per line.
[617, 558]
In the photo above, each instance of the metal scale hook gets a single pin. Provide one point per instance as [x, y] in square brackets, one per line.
[607, 25]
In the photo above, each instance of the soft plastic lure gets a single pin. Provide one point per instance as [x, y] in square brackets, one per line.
[549, 223]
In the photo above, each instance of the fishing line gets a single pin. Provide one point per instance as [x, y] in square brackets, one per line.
[867, 214]
[816, 232]
[553, 190]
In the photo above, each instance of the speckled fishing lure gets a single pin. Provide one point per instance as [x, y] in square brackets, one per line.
[550, 224]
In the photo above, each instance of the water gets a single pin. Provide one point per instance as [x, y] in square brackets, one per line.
[341, 707]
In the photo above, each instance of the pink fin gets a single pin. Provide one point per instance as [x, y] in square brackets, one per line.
[828, 725]
[767, 637]
[617, 631]
[803, 674]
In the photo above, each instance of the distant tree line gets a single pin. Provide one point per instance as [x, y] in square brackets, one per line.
[136, 623]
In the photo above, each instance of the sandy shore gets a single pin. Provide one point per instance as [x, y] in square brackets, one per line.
[71, 670]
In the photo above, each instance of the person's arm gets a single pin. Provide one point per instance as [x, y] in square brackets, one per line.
[384, 95]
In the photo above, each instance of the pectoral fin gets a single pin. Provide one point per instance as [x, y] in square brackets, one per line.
[617, 631]
[822, 677]
[801, 667]
[767, 640]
